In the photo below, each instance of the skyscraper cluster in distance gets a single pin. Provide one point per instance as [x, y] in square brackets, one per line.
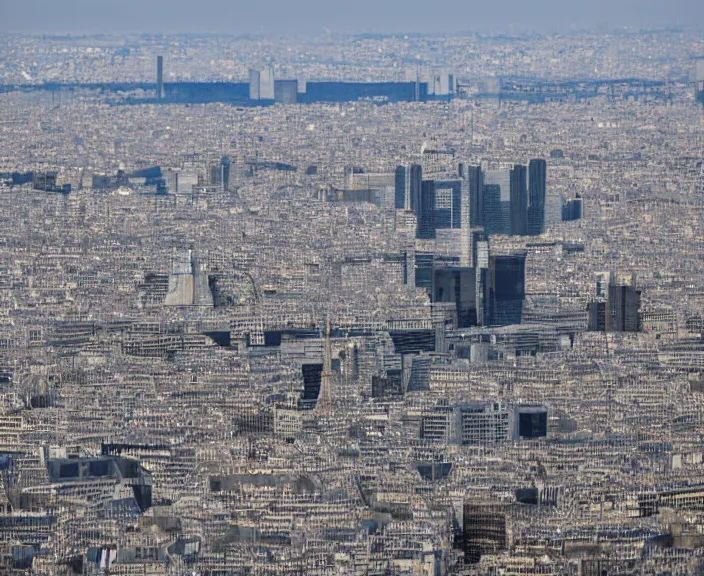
[510, 202]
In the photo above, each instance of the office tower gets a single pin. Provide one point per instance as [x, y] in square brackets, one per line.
[286, 91]
[425, 211]
[624, 309]
[416, 185]
[482, 423]
[159, 77]
[401, 185]
[519, 201]
[254, 79]
[444, 204]
[537, 169]
[407, 186]
[475, 181]
[572, 209]
[441, 83]
[507, 289]
[448, 203]
[416, 87]
[262, 85]
[596, 321]
[266, 84]
[224, 173]
[484, 527]
[311, 382]
[621, 310]
[457, 285]
[481, 291]
[497, 202]
[220, 174]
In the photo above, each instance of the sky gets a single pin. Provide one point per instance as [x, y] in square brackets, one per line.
[316, 17]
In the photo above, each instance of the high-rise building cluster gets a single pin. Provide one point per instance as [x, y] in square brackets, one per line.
[510, 202]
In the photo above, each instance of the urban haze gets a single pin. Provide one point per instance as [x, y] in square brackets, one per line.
[373, 289]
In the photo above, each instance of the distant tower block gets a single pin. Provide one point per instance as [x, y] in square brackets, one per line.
[224, 173]
[159, 77]
[323, 406]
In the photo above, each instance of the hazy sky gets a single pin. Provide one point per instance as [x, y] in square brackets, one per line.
[291, 17]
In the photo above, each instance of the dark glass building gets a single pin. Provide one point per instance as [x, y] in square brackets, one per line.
[484, 529]
[572, 209]
[519, 201]
[531, 422]
[440, 207]
[619, 313]
[159, 77]
[507, 289]
[537, 170]
[425, 211]
[475, 180]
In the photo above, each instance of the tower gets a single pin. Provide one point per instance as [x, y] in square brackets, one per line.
[159, 77]
[536, 196]
[475, 177]
[323, 406]
[224, 179]
[254, 79]
[519, 212]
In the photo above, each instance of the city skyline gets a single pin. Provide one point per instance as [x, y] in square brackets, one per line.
[364, 305]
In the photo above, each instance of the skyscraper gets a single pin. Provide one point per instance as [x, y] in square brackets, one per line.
[519, 201]
[507, 289]
[510, 202]
[537, 169]
[254, 76]
[621, 310]
[444, 204]
[572, 209]
[475, 180]
[159, 77]
[266, 84]
[448, 203]
[484, 527]
[224, 173]
[261, 84]
[425, 211]
[408, 183]
[497, 202]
